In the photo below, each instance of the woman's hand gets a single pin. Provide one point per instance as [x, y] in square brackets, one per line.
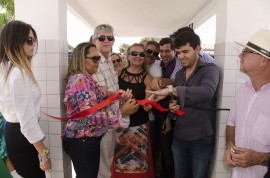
[126, 94]
[45, 164]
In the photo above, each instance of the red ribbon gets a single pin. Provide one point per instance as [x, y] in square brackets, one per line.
[111, 99]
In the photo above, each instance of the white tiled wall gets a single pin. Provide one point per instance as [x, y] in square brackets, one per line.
[50, 66]
[226, 57]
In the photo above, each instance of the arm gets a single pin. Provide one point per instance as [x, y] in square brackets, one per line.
[230, 143]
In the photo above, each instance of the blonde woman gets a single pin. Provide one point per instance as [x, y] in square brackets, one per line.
[20, 98]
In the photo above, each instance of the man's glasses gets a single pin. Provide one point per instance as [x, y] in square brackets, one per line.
[95, 59]
[30, 41]
[246, 51]
[103, 37]
[136, 53]
[150, 51]
[116, 60]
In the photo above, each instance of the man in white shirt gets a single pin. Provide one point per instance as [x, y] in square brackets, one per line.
[106, 76]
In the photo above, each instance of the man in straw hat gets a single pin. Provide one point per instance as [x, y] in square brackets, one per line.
[248, 126]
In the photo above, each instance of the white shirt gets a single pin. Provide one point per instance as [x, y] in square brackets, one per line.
[20, 103]
[250, 115]
[155, 69]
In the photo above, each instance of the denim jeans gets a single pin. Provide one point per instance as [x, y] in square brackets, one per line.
[84, 153]
[192, 158]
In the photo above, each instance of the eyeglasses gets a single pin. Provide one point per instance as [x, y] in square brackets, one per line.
[103, 37]
[136, 53]
[116, 60]
[150, 51]
[246, 51]
[30, 41]
[95, 59]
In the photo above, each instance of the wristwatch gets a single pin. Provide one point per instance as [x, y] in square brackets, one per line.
[46, 153]
[170, 88]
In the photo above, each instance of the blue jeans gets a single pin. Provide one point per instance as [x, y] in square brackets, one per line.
[84, 153]
[192, 158]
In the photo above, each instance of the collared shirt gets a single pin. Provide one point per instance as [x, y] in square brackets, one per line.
[198, 91]
[205, 57]
[20, 103]
[155, 69]
[81, 93]
[250, 115]
[107, 76]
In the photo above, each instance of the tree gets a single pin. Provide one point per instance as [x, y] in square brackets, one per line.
[123, 47]
[6, 11]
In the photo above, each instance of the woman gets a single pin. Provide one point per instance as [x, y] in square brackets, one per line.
[132, 151]
[20, 97]
[82, 136]
[117, 62]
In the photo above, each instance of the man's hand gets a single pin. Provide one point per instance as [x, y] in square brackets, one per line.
[245, 157]
[166, 126]
[129, 107]
[173, 106]
[228, 158]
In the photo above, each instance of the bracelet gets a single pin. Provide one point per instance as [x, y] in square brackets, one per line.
[170, 88]
[46, 154]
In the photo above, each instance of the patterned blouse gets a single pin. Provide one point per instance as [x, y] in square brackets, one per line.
[82, 92]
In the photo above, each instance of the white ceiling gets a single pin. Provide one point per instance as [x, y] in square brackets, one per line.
[152, 18]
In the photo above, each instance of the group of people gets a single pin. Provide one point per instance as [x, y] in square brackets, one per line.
[123, 138]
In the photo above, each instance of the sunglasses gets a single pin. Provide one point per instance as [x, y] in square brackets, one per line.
[246, 51]
[30, 41]
[95, 59]
[136, 53]
[150, 51]
[103, 37]
[116, 60]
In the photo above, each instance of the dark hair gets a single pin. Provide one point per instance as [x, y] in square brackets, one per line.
[152, 43]
[187, 38]
[181, 30]
[164, 41]
[12, 38]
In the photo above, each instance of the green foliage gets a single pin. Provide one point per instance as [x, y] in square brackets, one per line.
[6, 11]
[150, 39]
[123, 48]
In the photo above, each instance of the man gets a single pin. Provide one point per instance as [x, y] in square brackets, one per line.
[204, 56]
[247, 131]
[152, 51]
[106, 76]
[163, 133]
[195, 85]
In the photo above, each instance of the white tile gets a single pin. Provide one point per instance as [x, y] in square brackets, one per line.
[43, 116]
[220, 154]
[44, 126]
[57, 165]
[53, 101]
[221, 175]
[241, 77]
[57, 174]
[52, 46]
[44, 102]
[56, 153]
[46, 141]
[221, 142]
[55, 127]
[224, 117]
[41, 46]
[228, 89]
[226, 102]
[52, 59]
[55, 140]
[231, 62]
[53, 87]
[39, 60]
[221, 167]
[222, 130]
[52, 73]
[39, 73]
[56, 112]
[229, 76]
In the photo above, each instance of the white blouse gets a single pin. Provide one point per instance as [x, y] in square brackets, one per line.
[20, 103]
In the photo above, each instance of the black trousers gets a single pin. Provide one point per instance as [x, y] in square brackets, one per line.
[22, 154]
[267, 175]
[84, 153]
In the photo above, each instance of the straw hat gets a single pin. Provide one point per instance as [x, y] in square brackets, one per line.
[260, 43]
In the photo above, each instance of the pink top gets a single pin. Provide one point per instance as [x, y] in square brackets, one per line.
[250, 114]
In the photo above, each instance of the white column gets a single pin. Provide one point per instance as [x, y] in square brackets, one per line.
[236, 21]
[49, 19]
